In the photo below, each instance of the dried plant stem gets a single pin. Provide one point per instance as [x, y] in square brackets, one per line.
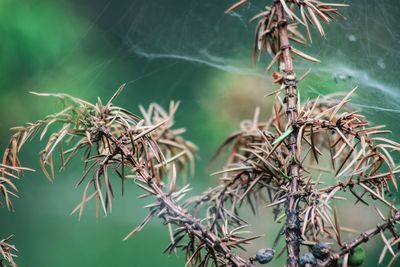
[292, 213]
[363, 238]
[182, 218]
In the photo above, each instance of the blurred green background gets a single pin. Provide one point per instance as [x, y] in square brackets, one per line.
[185, 50]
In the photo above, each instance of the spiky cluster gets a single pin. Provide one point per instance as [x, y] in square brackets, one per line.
[7, 253]
[309, 13]
[150, 140]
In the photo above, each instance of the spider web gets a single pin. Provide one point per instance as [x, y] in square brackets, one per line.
[362, 50]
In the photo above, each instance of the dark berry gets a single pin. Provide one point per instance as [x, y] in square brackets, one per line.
[308, 259]
[265, 255]
[321, 250]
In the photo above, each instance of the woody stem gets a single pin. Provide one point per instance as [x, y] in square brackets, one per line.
[292, 230]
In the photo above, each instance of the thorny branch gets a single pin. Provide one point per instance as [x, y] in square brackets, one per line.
[363, 238]
[143, 150]
[167, 209]
[364, 158]
[274, 162]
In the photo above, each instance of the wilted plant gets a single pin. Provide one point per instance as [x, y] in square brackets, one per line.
[276, 163]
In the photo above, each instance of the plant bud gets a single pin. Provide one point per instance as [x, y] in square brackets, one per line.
[308, 259]
[265, 255]
[321, 250]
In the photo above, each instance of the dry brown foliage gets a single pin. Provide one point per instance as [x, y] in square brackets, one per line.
[7, 253]
[300, 162]
[144, 149]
